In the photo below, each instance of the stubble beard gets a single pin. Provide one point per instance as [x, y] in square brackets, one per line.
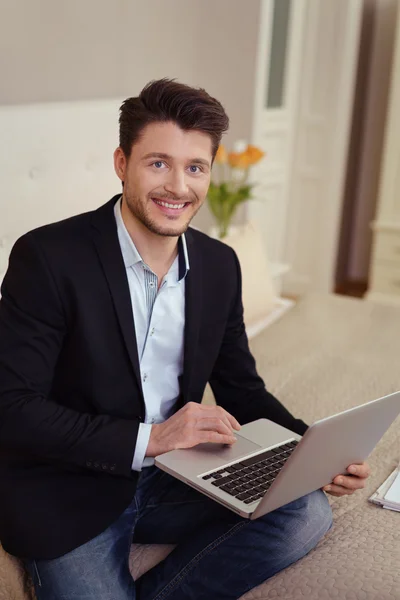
[139, 212]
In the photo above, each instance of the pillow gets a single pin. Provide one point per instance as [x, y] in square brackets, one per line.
[258, 292]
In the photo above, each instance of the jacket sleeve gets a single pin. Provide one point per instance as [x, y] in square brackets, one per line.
[32, 331]
[236, 385]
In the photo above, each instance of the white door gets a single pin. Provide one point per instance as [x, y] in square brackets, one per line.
[275, 112]
[326, 93]
[307, 58]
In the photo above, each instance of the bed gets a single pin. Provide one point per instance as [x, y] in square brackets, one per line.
[328, 353]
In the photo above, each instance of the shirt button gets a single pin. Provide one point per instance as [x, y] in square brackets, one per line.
[145, 377]
[152, 331]
[151, 284]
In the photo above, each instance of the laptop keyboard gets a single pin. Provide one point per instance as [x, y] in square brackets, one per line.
[249, 479]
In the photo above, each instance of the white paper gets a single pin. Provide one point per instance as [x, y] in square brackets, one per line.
[393, 494]
[377, 496]
[380, 497]
[391, 508]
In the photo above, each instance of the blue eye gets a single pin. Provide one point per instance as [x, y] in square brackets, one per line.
[158, 163]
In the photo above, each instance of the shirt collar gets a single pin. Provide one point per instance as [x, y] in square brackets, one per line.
[130, 253]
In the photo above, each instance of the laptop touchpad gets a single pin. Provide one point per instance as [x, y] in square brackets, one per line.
[227, 452]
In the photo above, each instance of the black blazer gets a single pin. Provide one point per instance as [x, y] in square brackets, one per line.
[70, 390]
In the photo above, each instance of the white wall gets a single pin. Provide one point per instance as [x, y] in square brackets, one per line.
[92, 49]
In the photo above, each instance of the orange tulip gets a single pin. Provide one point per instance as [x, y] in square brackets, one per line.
[221, 157]
[243, 160]
[254, 154]
[239, 160]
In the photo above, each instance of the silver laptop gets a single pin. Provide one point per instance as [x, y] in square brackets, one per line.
[269, 466]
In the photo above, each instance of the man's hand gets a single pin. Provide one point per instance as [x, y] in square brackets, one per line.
[193, 424]
[345, 485]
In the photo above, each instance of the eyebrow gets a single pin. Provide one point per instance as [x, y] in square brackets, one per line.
[200, 161]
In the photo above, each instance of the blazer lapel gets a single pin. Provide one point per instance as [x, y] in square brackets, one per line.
[107, 245]
[193, 311]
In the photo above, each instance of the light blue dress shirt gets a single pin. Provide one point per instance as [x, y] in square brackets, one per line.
[159, 316]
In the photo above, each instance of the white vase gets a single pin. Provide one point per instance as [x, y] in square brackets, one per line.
[232, 230]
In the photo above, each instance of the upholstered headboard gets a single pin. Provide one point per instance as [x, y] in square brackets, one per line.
[56, 160]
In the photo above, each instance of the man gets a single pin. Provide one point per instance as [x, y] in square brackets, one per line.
[111, 324]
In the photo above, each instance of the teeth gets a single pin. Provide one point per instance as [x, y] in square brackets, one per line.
[169, 205]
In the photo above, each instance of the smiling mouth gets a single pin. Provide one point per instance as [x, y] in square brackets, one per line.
[171, 205]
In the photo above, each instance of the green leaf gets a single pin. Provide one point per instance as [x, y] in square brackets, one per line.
[223, 202]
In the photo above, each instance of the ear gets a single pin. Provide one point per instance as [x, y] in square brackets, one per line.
[120, 163]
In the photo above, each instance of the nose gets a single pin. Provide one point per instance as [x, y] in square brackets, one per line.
[176, 184]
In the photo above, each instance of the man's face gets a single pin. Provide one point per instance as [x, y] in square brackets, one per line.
[167, 166]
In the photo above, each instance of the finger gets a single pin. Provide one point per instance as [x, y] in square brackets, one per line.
[215, 438]
[224, 418]
[222, 413]
[349, 482]
[214, 424]
[219, 417]
[361, 470]
[234, 422]
[337, 490]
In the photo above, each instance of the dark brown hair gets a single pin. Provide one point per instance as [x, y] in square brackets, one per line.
[166, 100]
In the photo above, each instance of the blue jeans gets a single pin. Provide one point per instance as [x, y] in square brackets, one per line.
[219, 554]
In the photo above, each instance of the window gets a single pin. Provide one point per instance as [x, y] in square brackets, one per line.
[278, 53]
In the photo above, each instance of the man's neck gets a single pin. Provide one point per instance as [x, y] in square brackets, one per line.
[157, 251]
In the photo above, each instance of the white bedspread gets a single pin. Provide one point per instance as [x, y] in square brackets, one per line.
[327, 354]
